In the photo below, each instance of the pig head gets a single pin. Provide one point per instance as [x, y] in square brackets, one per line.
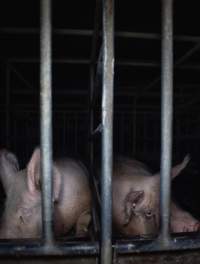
[22, 214]
[136, 197]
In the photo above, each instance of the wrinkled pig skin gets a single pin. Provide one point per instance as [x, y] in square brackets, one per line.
[136, 200]
[71, 197]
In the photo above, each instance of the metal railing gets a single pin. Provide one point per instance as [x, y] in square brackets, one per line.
[48, 246]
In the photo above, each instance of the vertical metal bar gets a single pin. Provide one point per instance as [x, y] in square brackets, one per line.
[46, 120]
[167, 114]
[107, 135]
[8, 112]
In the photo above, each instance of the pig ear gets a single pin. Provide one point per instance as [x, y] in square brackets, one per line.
[178, 168]
[9, 166]
[33, 171]
[9, 159]
[12, 159]
[132, 199]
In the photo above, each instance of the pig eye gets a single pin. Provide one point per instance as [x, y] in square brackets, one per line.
[133, 205]
[148, 214]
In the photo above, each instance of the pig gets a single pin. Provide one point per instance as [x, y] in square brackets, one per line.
[71, 197]
[136, 200]
[182, 221]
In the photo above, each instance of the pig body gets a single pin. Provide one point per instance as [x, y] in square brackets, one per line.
[182, 221]
[71, 198]
[136, 200]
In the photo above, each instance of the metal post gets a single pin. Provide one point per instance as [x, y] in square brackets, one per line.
[46, 120]
[107, 122]
[167, 112]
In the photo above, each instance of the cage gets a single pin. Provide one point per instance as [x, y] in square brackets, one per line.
[83, 35]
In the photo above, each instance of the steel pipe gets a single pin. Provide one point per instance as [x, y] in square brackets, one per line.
[83, 248]
[166, 118]
[30, 248]
[107, 135]
[89, 33]
[46, 121]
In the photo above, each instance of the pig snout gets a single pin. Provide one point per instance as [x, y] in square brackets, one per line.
[71, 199]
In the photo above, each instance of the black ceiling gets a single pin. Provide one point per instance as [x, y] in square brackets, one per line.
[137, 57]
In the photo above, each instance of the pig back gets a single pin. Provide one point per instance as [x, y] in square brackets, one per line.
[129, 167]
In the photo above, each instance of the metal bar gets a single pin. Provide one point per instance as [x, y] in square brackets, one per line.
[83, 107]
[188, 54]
[57, 92]
[46, 121]
[29, 248]
[36, 60]
[88, 33]
[166, 117]
[85, 93]
[179, 242]
[129, 246]
[176, 65]
[82, 111]
[77, 107]
[130, 63]
[107, 135]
